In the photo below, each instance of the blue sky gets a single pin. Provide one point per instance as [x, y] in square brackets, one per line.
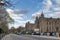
[27, 10]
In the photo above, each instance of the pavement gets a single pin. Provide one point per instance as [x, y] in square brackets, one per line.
[28, 37]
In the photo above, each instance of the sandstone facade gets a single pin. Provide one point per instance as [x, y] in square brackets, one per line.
[44, 24]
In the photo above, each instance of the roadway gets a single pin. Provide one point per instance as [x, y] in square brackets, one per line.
[28, 37]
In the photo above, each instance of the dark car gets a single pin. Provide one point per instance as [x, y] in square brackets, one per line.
[19, 33]
[36, 33]
[53, 34]
[29, 32]
[44, 33]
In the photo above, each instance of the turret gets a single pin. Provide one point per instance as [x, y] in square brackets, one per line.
[42, 15]
[36, 18]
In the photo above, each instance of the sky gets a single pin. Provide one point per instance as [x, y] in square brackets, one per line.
[26, 10]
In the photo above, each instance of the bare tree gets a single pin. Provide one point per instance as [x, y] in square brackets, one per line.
[4, 16]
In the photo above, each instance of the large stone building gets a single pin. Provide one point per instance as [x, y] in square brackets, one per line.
[43, 24]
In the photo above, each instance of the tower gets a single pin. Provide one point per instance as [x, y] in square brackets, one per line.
[42, 15]
[37, 18]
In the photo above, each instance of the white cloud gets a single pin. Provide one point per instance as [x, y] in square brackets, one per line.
[57, 1]
[56, 8]
[36, 14]
[18, 17]
[49, 9]
[47, 2]
[20, 23]
[31, 21]
[55, 15]
[46, 5]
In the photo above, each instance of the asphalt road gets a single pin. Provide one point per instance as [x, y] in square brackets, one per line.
[26, 37]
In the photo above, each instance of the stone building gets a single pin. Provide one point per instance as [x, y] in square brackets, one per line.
[44, 24]
[20, 29]
[29, 26]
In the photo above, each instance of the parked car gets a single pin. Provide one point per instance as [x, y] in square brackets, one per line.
[35, 33]
[29, 32]
[53, 34]
[19, 33]
[44, 33]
